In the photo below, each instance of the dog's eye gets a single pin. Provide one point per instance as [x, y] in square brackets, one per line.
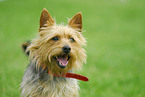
[72, 40]
[55, 38]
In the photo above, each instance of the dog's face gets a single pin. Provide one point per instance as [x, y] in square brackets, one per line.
[59, 47]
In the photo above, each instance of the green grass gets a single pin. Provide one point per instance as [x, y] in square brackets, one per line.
[115, 31]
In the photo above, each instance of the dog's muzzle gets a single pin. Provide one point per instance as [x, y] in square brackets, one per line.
[62, 60]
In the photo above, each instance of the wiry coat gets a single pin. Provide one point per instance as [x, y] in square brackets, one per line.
[36, 81]
[39, 84]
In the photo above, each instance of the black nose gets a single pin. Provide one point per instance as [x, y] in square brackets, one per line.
[66, 49]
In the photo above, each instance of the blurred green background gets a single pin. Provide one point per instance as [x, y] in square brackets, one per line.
[114, 29]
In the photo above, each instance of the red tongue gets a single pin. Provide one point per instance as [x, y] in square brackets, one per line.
[63, 60]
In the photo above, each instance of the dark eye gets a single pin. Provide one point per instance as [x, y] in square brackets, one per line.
[72, 40]
[55, 38]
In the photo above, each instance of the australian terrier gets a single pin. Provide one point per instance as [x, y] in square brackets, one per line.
[54, 54]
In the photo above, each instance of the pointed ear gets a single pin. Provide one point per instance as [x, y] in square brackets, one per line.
[76, 21]
[45, 19]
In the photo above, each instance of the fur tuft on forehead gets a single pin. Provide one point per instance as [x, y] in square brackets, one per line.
[64, 32]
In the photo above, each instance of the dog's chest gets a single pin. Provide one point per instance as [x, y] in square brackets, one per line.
[61, 88]
[40, 84]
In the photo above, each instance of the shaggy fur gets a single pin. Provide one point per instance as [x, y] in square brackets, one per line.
[42, 50]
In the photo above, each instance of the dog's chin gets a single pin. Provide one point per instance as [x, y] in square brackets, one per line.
[62, 60]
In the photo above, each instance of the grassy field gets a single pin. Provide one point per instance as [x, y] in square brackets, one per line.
[114, 29]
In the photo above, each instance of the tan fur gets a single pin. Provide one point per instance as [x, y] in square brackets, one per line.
[43, 48]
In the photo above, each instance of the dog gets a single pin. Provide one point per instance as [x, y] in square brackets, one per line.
[54, 55]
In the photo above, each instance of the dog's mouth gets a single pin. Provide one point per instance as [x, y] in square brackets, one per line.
[62, 60]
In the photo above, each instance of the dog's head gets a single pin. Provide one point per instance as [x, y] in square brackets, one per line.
[58, 47]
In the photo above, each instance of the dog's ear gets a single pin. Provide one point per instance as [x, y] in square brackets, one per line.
[76, 21]
[25, 46]
[45, 19]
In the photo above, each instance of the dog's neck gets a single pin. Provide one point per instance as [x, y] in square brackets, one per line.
[68, 75]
